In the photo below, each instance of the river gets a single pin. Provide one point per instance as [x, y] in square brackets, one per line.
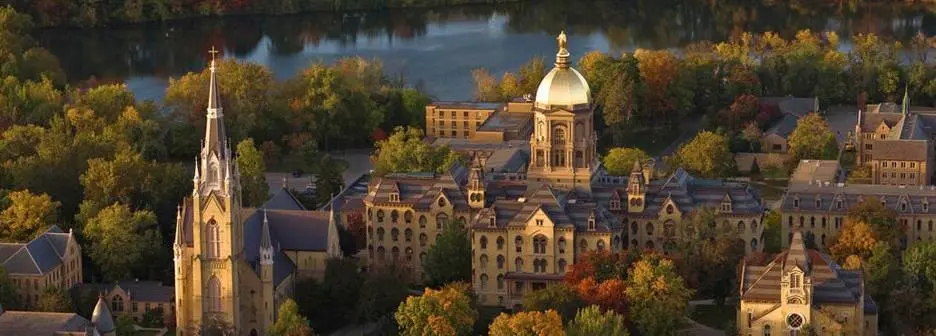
[436, 49]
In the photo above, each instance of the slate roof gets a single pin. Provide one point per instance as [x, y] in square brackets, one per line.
[420, 190]
[350, 198]
[284, 200]
[558, 206]
[802, 197]
[17, 323]
[38, 256]
[784, 126]
[151, 291]
[792, 105]
[293, 230]
[686, 191]
[831, 284]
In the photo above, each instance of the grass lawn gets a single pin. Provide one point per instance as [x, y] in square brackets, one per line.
[714, 316]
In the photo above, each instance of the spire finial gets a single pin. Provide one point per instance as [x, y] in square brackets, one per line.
[285, 182]
[214, 53]
[905, 105]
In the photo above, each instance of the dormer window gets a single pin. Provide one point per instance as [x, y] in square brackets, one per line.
[591, 223]
[726, 206]
[615, 204]
[794, 281]
[492, 221]
[883, 202]
[925, 206]
[394, 197]
[903, 206]
[838, 205]
[796, 202]
[818, 203]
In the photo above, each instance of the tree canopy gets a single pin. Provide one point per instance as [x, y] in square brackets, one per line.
[591, 321]
[405, 151]
[658, 296]
[289, 322]
[706, 155]
[527, 323]
[620, 161]
[253, 173]
[448, 311]
[813, 139]
[449, 258]
[557, 297]
[121, 240]
[27, 215]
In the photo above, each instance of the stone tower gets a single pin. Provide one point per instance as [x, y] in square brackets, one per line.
[563, 141]
[636, 189]
[207, 279]
[476, 186]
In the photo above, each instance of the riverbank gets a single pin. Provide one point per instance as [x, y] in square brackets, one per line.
[115, 12]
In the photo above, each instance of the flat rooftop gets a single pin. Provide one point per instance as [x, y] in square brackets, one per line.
[462, 105]
[809, 171]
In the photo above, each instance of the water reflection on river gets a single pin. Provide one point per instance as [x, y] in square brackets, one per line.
[438, 48]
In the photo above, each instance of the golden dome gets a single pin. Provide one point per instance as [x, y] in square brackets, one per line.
[563, 87]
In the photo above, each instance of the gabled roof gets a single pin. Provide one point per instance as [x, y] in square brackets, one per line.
[282, 199]
[290, 230]
[16, 323]
[38, 256]
[420, 190]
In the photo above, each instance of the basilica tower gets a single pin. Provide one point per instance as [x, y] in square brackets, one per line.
[563, 143]
[207, 280]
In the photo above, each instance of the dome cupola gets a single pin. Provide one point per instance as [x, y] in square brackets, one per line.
[563, 87]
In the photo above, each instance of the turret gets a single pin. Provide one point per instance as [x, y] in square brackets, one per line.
[636, 189]
[334, 244]
[476, 186]
[267, 284]
[266, 247]
[102, 320]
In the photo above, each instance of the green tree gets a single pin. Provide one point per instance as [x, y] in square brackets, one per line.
[813, 139]
[329, 180]
[590, 321]
[9, 299]
[27, 215]
[883, 221]
[449, 259]
[658, 296]
[289, 322]
[881, 271]
[122, 240]
[54, 299]
[125, 323]
[331, 304]
[557, 296]
[405, 151]
[445, 312]
[252, 170]
[620, 161]
[707, 155]
[772, 223]
[711, 255]
[527, 323]
[381, 293]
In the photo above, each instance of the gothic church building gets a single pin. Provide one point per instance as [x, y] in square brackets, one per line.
[235, 265]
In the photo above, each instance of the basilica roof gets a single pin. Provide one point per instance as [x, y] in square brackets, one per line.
[830, 283]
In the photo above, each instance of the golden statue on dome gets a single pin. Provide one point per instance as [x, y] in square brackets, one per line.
[563, 41]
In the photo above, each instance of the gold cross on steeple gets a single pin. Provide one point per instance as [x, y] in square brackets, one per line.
[213, 52]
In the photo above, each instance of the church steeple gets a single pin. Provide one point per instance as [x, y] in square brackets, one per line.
[334, 246]
[216, 159]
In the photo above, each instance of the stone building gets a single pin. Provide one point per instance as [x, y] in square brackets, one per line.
[53, 259]
[791, 110]
[533, 206]
[135, 298]
[897, 141]
[819, 210]
[480, 122]
[16, 323]
[235, 265]
[803, 292]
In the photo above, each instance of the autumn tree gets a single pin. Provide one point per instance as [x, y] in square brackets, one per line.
[121, 240]
[289, 322]
[813, 139]
[619, 161]
[599, 279]
[752, 134]
[27, 215]
[557, 297]
[855, 239]
[707, 155]
[527, 323]
[658, 297]
[448, 311]
[591, 321]
[710, 255]
[882, 220]
[253, 173]
[54, 299]
[405, 151]
[449, 259]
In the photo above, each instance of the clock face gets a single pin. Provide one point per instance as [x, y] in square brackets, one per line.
[795, 321]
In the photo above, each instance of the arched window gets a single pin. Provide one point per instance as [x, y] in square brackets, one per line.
[380, 216]
[395, 253]
[634, 227]
[422, 221]
[394, 216]
[754, 242]
[484, 280]
[408, 233]
[500, 243]
[649, 229]
[740, 226]
[500, 282]
[754, 226]
[423, 239]
[649, 244]
[408, 217]
[519, 243]
[117, 303]
[483, 261]
[370, 232]
[394, 234]
[214, 294]
[559, 136]
[635, 243]
[919, 225]
[562, 266]
[617, 242]
[500, 262]
[381, 253]
[562, 244]
[518, 265]
[483, 242]
[766, 330]
[539, 244]
[214, 239]
[669, 228]
[441, 220]
[422, 256]
[409, 254]
[583, 245]
[600, 245]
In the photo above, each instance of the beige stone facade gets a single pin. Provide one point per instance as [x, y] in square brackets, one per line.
[235, 265]
[896, 142]
[53, 259]
[802, 292]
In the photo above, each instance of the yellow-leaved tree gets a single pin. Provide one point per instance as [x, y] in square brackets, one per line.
[528, 323]
[448, 311]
